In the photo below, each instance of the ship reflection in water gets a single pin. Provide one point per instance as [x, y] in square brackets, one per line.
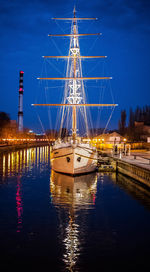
[69, 223]
[70, 195]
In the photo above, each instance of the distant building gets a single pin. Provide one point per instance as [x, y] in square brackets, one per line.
[108, 140]
[148, 139]
[142, 130]
[138, 124]
[13, 125]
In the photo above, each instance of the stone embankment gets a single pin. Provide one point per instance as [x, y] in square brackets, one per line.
[9, 148]
[139, 172]
[136, 166]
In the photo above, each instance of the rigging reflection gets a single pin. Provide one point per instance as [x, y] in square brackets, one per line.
[72, 196]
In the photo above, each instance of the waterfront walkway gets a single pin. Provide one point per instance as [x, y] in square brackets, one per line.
[141, 159]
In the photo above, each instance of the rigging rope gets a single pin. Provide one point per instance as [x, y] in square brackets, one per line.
[108, 120]
[42, 127]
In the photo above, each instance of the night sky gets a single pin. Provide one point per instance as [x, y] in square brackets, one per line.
[24, 29]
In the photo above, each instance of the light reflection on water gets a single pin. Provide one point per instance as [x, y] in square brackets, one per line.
[19, 205]
[72, 194]
[26, 162]
[71, 222]
[23, 161]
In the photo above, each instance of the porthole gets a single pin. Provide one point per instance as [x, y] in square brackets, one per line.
[79, 159]
[68, 159]
[67, 190]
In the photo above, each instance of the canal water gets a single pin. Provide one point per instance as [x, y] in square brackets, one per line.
[58, 223]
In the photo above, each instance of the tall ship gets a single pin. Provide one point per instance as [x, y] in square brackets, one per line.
[73, 156]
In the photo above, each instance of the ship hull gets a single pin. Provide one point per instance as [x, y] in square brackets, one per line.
[74, 160]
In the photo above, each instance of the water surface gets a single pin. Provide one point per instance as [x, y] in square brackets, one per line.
[59, 223]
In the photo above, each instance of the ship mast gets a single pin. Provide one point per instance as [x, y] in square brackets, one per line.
[74, 120]
[74, 88]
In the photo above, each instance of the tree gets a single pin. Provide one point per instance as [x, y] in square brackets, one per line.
[138, 114]
[146, 115]
[122, 122]
[4, 121]
[131, 119]
[131, 127]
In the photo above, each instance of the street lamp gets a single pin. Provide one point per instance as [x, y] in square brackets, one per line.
[124, 140]
[102, 144]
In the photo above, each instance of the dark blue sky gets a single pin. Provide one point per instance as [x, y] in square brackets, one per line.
[24, 26]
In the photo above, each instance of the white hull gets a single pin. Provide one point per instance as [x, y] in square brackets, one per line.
[74, 159]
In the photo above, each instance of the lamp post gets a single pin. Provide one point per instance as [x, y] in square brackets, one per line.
[124, 148]
[102, 144]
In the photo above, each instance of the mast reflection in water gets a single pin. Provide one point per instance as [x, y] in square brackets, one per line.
[89, 217]
[69, 195]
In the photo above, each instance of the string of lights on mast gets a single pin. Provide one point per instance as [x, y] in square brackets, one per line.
[75, 97]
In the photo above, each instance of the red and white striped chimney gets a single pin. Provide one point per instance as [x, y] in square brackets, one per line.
[20, 108]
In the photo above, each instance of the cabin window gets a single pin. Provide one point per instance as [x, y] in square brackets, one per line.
[67, 190]
[68, 159]
[79, 159]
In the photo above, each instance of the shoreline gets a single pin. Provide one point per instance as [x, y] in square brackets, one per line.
[10, 148]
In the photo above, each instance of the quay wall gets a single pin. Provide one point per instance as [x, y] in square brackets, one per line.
[138, 173]
[9, 148]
